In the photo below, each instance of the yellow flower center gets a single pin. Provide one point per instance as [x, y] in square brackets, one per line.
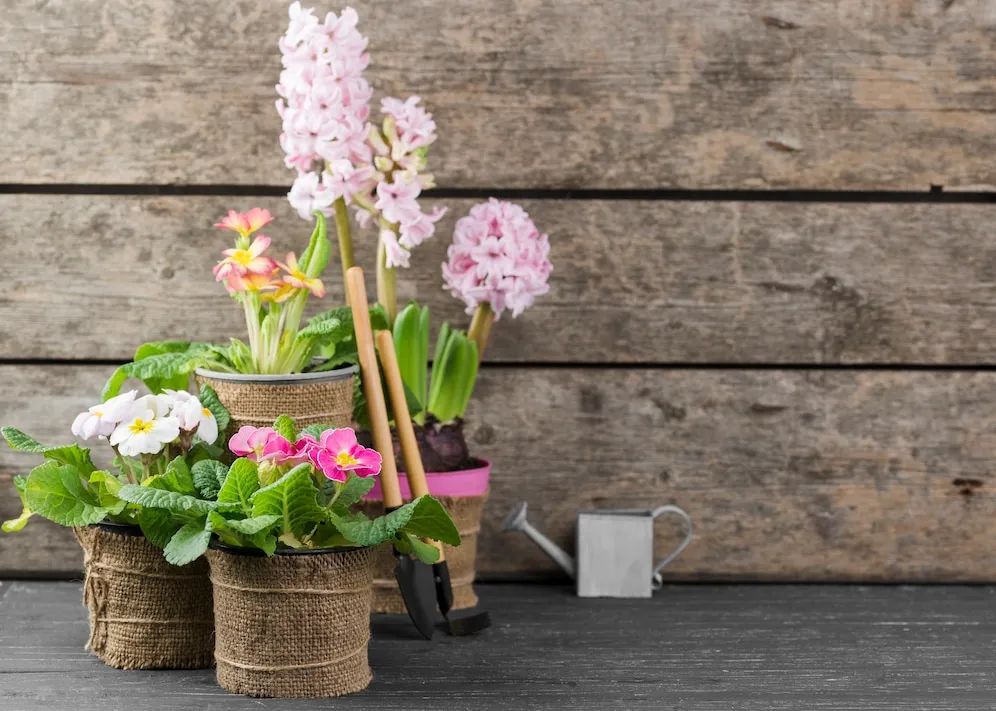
[98, 413]
[242, 257]
[206, 412]
[345, 459]
[140, 426]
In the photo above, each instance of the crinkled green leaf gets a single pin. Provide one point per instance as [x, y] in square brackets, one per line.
[158, 526]
[209, 476]
[240, 484]
[16, 524]
[406, 543]
[316, 430]
[209, 399]
[164, 370]
[351, 491]
[430, 520]
[294, 499]
[189, 543]
[176, 477]
[55, 491]
[22, 442]
[169, 500]
[286, 428]
[245, 526]
[73, 455]
[366, 532]
[105, 487]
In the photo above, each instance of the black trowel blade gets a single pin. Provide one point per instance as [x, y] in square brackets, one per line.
[415, 580]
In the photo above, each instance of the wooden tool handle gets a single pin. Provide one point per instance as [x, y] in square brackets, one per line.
[406, 433]
[376, 406]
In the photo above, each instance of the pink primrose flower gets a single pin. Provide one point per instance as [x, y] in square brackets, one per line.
[337, 455]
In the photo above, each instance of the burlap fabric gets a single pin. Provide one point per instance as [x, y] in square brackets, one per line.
[292, 625]
[466, 513]
[308, 402]
[144, 612]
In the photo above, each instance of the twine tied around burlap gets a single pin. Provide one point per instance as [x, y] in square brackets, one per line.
[307, 403]
[292, 625]
[144, 613]
[466, 514]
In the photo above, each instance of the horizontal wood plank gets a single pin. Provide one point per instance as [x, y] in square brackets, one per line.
[702, 647]
[831, 94]
[789, 475]
[634, 281]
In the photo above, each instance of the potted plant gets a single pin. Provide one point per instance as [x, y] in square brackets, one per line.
[144, 612]
[291, 563]
[302, 368]
[498, 262]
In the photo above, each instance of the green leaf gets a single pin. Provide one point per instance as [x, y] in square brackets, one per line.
[72, 454]
[286, 428]
[209, 476]
[165, 370]
[351, 491]
[411, 341]
[407, 543]
[158, 526]
[22, 442]
[330, 330]
[189, 543]
[177, 477]
[430, 520]
[315, 430]
[209, 399]
[105, 487]
[16, 524]
[316, 256]
[241, 356]
[240, 484]
[55, 491]
[453, 376]
[245, 526]
[365, 532]
[294, 499]
[169, 500]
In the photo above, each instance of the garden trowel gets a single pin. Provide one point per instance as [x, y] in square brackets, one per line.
[458, 626]
[420, 605]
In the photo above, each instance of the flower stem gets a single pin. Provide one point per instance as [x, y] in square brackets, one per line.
[480, 327]
[345, 239]
[386, 284]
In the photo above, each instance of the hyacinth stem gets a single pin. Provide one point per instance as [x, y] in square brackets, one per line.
[480, 327]
[386, 294]
[345, 239]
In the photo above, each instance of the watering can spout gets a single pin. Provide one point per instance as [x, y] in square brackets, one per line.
[516, 521]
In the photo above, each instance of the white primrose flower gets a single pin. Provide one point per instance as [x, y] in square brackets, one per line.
[192, 415]
[100, 420]
[145, 432]
[161, 404]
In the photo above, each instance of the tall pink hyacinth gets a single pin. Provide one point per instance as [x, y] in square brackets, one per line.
[498, 257]
[324, 103]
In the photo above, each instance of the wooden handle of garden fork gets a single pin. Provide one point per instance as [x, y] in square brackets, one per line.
[376, 406]
[403, 423]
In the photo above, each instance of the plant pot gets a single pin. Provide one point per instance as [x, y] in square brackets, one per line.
[309, 398]
[296, 624]
[144, 612]
[462, 494]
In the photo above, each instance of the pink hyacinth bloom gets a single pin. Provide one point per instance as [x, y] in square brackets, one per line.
[395, 255]
[244, 262]
[337, 455]
[260, 444]
[396, 201]
[310, 193]
[497, 257]
[245, 223]
[415, 232]
[415, 126]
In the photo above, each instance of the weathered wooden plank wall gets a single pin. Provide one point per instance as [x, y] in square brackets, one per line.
[809, 379]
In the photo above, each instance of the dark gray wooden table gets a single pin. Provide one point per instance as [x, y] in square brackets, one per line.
[691, 647]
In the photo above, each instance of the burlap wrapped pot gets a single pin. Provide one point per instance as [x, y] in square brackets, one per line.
[144, 612]
[308, 398]
[296, 624]
[466, 513]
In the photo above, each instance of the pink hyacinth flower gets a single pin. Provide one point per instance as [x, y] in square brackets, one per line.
[260, 444]
[338, 454]
[244, 262]
[245, 223]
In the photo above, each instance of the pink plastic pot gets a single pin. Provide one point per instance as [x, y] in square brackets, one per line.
[467, 482]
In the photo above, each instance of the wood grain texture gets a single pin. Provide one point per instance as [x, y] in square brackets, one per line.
[700, 647]
[643, 281]
[876, 94]
[789, 475]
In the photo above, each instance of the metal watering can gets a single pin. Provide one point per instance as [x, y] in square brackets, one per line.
[615, 549]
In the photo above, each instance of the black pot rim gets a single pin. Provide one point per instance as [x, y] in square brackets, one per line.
[217, 545]
[123, 529]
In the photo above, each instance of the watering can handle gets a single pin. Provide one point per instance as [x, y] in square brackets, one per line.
[658, 580]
